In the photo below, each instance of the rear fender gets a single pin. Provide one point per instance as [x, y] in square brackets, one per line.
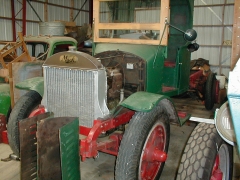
[5, 100]
[145, 102]
[35, 84]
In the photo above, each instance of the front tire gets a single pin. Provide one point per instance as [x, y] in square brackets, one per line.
[22, 109]
[210, 91]
[206, 155]
[144, 143]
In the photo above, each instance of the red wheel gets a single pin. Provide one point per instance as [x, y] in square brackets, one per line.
[153, 154]
[143, 150]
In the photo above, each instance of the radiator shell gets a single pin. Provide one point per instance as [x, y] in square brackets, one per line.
[77, 89]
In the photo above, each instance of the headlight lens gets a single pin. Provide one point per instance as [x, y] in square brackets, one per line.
[223, 122]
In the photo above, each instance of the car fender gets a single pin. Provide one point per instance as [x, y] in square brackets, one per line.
[145, 102]
[35, 84]
[5, 100]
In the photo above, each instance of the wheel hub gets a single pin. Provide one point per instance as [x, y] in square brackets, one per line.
[153, 154]
[217, 174]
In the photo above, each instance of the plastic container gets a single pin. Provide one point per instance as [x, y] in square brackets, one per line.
[52, 28]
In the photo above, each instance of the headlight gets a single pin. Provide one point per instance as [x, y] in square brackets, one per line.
[223, 122]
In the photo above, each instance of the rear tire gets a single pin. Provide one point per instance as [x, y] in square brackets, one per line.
[200, 158]
[22, 109]
[210, 91]
[146, 132]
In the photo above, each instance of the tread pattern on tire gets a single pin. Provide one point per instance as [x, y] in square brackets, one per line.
[21, 110]
[134, 138]
[199, 154]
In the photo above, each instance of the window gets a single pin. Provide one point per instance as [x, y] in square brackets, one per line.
[131, 21]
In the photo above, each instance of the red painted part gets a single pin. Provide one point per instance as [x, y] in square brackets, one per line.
[169, 64]
[84, 130]
[2, 126]
[4, 137]
[216, 91]
[13, 21]
[89, 146]
[90, 12]
[197, 80]
[182, 114]
[110, 146]
[167, 88]
[216, 172]
[153, 153]
[24, 16]
[39, 110]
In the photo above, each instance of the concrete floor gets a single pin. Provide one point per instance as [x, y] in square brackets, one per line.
[103, 167]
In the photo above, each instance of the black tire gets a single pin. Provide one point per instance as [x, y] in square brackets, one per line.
[137, 135]
[210, 91]
[203, 147]
[22, 109]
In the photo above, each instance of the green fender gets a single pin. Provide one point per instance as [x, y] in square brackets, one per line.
[35, 84]
[5, 100]
[145, 102]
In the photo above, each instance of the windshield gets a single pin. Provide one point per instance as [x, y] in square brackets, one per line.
[40, 50]
[134, 22]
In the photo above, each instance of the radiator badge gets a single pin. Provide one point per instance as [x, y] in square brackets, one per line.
[68, 58]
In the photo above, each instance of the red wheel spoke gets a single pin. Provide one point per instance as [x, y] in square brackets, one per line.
[217, 174]
[153, 153]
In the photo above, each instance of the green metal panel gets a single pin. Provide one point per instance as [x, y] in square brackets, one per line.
[35, 84]
[53, 46]
[5, 100]
[184, 70]
[69, 151]
[143, 101]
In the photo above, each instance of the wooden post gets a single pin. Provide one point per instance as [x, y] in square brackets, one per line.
[24, 46]
[11, 85]
[46, 11]
[236, 35]
[71, 10]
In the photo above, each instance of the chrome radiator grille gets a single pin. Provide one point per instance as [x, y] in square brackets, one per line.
[75, 93]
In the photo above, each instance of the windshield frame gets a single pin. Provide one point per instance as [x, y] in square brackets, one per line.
[161, 27]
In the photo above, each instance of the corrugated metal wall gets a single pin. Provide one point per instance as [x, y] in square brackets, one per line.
[32, 28]
[213, 21]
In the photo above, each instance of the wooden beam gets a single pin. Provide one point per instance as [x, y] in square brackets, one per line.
[127, 41]
[161, 26]
[52, 4]
[46, 11]
[236, 35]
[71, 10]
[127, 26]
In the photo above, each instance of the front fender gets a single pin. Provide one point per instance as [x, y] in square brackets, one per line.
[35, 84]
[145, 102]
[5, 100]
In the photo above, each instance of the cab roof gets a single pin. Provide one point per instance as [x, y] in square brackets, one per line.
[48, 39]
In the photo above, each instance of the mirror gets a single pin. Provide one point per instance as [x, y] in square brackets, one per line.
[193, 47]
[190, 35]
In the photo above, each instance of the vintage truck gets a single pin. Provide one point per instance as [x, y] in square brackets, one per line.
[141, 57]
[39, 48]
